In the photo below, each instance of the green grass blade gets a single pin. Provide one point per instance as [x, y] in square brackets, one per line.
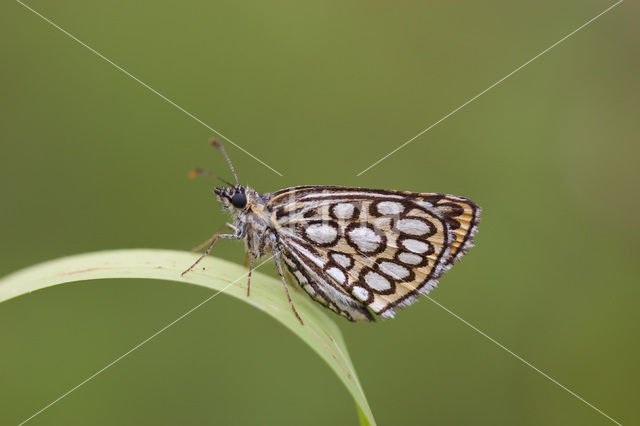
[319, 331]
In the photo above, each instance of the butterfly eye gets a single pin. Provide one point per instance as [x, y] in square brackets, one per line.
[239, 200]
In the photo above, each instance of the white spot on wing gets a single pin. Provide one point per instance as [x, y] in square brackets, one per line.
[341, 259]
[412, 226]
[415, 246]
[360, 293]
[365, 239]
[321, 233]
[377, 281]
[394, 270]
[337, 274]
[389, 208]
[409, 258]
[343, 210]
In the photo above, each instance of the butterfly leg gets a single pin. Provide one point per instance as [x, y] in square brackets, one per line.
[276, 257]
[206, 243]
[251, 259]
[212, 241]
[292, 280]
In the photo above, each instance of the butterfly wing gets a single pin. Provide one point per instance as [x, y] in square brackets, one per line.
[355, 249]
[323, 289]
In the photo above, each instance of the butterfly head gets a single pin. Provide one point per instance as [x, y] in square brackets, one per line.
[236, 199]
[233, 198]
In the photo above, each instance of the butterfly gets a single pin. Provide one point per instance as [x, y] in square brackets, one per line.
[359, 252]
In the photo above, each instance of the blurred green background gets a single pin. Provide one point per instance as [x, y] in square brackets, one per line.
[91, 160]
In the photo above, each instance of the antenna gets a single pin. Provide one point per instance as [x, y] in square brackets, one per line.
[202, 172]
[221, 148]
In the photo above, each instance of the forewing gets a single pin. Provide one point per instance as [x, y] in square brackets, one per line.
[374, 248]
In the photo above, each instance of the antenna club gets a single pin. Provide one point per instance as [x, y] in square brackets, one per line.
[215, 143]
